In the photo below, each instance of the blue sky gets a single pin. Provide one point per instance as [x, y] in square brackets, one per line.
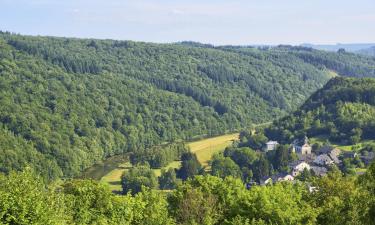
[208, 21]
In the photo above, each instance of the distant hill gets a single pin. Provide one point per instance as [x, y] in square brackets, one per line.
[68, 103]
[343, 110]
[348, 47]
[367, 51]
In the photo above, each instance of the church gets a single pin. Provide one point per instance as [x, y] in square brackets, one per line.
[304, 149]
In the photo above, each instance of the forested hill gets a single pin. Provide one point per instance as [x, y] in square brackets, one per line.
[367, 51]
[341, 62]
[67, 103]
[343, 111]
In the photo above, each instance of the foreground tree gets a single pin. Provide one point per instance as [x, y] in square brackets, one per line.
[91, 202]
[24, 199]
[193, 204]
[337, 199]
[367, 197]
[207, 200]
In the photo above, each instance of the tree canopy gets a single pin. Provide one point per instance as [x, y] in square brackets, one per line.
[337, 199]
[344, 110]
[68, 103]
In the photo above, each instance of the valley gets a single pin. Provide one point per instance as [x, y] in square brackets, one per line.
[110, 132]
[111, 170]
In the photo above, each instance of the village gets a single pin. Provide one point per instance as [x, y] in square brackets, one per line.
[316, 162]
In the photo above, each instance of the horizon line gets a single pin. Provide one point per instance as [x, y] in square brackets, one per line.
[192, 41]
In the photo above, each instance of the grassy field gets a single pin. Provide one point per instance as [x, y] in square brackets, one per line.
[322, 139]
[175, 165]
[113, 178]
[97, 171]
[204, 149]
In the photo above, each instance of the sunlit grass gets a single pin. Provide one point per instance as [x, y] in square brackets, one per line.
[204, 149]
[174, 164]
[347, 148]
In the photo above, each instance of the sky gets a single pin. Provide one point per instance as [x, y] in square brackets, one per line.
[219, 22]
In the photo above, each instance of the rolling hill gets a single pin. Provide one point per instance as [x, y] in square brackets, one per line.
[350, 47]
[343, 110]
[367, 51]
[68, 103]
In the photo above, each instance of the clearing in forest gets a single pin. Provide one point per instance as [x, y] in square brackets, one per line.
[204, 149]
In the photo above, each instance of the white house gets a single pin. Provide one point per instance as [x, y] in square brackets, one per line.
[266, 181]
[298, 167]
[276, 178]
[271, 145]
[284, 177]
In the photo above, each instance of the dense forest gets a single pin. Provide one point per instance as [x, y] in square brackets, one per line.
[68, 103]
[205, 200]
[343, 111]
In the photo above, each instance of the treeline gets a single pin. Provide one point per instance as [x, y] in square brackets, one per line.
[203, 200]
[74, 102]
[159, 156]
[70, 61]
[344, 111]
[249, 165]
[238, 161]
[342, 62]
[142, 175]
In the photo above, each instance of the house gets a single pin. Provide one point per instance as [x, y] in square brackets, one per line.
[266, 181]
[276, 178]
[298, 167]
[334, 157]
[304, 149]
[282, 177]
[323, 160]
[319, 170]
[309, 158]
[325, 149]
[271, 145]
[332, 152]
[328, 149]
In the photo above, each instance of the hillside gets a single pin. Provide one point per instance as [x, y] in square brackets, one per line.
[353, 47]
[342, 63]
[367, 51]
[343, 110]
[68, 103]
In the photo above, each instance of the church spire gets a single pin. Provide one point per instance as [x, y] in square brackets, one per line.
[306, 140]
